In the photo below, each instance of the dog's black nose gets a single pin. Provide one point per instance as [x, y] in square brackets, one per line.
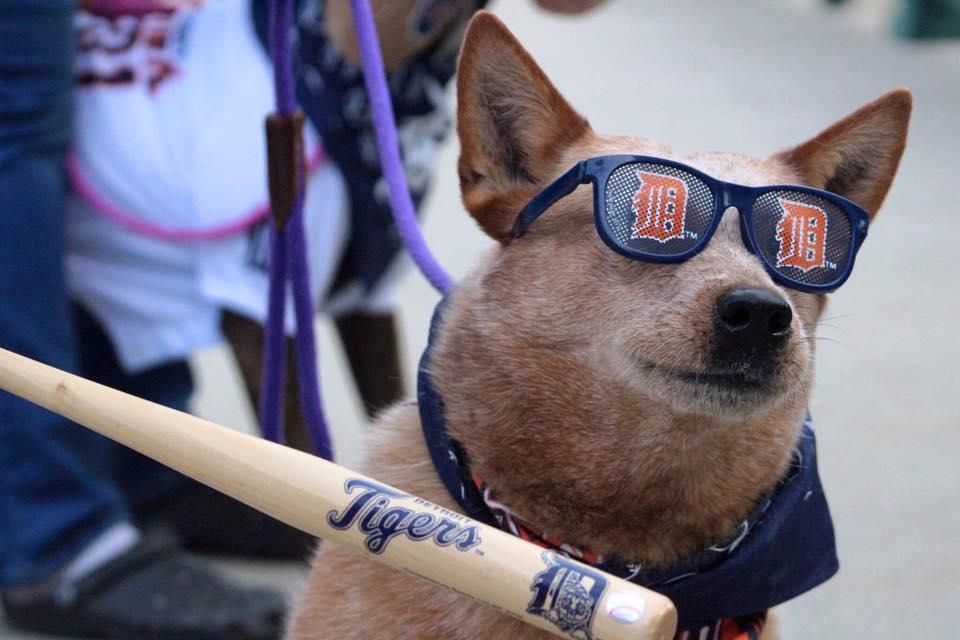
[757, 318]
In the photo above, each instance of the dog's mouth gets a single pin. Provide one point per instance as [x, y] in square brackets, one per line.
[729, 379]
[742, 381]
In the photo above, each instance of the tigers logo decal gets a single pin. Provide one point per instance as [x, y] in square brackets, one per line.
[567, 594]
[802, 236]
[660, 207]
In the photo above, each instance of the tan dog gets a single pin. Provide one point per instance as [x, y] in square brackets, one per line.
[558, 350]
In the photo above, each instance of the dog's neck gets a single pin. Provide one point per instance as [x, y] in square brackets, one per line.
[593, 463]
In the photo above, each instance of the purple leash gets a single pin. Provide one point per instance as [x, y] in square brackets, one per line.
[288, 251]
[385, 126]
[288, 259]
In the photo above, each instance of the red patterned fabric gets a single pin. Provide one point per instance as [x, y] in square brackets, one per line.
[747, 627]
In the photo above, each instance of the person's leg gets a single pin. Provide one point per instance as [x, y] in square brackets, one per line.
[246, 338]
[55, 495]
[70, 562]
[143, 482]
[199, 513]
[372, 345]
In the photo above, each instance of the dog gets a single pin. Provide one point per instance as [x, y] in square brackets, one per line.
[602, 397]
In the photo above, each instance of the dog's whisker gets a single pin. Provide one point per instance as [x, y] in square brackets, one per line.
[834, 327]
[810, 339]
[839, 316]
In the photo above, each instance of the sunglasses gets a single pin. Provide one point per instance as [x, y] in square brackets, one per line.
[658, 210]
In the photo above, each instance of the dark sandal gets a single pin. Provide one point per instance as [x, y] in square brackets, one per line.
[153, 591]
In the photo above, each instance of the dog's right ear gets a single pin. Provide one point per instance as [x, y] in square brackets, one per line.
[858, 156]
[512, 123]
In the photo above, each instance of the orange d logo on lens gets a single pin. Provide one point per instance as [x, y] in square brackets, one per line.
[660, 205]
[802, 234]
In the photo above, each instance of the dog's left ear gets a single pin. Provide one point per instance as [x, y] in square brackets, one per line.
[512, 124]
[858, 156]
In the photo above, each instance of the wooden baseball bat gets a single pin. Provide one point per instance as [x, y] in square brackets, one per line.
[546, 590]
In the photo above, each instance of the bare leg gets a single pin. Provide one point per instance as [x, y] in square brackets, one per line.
[373, 349]
[246, 339]
[370, 341]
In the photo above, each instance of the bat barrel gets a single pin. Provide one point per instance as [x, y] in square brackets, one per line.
[559, 595]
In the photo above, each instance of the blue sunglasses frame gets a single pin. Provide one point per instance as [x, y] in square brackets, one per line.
[596, 171]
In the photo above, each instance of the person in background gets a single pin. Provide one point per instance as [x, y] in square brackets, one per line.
[72, 559]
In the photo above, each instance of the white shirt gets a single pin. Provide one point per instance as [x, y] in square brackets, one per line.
[169, 169]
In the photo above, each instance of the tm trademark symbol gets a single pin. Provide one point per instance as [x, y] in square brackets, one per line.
[480, 552]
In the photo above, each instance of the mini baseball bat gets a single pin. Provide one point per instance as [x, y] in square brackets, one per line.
[549, 591]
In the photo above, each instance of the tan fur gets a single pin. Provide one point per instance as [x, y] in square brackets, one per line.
[395, 45]
[506, 151]
[398, 42]
[558, 358]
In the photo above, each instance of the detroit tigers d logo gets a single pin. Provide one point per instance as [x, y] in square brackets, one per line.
[567, 594]
[660, 207]
[802, 236]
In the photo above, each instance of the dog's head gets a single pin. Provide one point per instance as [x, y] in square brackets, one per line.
[582, 381]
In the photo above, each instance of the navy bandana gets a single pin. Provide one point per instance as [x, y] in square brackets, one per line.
[783, 549]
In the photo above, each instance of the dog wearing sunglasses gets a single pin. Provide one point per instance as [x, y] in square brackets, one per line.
[624, 376]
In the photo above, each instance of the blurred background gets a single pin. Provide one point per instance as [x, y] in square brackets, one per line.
[756, 76]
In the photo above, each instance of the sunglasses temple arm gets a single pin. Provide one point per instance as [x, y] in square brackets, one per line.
[562, 186]
[863, 225]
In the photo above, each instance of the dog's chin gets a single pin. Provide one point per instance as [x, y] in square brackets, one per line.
[718, 391]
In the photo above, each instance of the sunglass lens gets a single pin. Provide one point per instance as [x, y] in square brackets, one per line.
[657, 209]
[805, 238]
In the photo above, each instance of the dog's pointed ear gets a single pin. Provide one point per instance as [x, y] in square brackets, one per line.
[858, 156]
[512, 123]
